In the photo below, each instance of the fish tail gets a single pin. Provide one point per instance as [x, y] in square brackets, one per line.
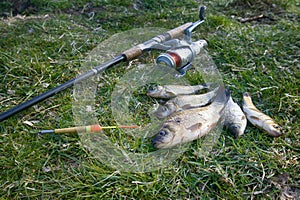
[206, 85]
[227, 94]
[223, 95]
[247, 101]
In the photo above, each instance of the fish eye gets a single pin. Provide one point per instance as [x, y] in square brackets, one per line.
[276, 126]
[162, 133]
[152, 88]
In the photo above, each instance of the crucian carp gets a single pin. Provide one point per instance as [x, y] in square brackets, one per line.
[184, 102]
[188, 125]
[171, 91]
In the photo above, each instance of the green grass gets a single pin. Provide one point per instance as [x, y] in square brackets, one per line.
[47, 48]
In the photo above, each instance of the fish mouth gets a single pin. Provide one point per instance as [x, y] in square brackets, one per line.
[163, 111]
[235, 130]
[276, 131]
[150, 91]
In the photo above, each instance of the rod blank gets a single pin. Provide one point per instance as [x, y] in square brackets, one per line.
[60, 88]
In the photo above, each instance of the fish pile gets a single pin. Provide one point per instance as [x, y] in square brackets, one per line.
[189, 115]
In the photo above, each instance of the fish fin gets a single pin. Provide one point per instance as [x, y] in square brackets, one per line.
[187, 106]
[195, 127]
[254, 118]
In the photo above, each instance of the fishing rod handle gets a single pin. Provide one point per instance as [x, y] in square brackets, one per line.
[171, 34]
[70, 130]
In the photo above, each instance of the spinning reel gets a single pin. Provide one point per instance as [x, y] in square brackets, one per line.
[181, 53]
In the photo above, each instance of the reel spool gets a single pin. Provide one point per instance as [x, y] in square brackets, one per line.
[181, 57]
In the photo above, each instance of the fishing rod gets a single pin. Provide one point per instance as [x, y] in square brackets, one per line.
[166, 41]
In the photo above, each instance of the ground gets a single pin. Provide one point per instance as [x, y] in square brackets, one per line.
[255, 46]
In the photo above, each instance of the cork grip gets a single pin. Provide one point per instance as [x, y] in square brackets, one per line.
[174, 33]
[177, 32]
[133, 53]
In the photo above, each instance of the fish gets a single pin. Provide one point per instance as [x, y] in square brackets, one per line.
[258, 118]
[235, 120]
[171, 91]
[184, 102]
[188, 125]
